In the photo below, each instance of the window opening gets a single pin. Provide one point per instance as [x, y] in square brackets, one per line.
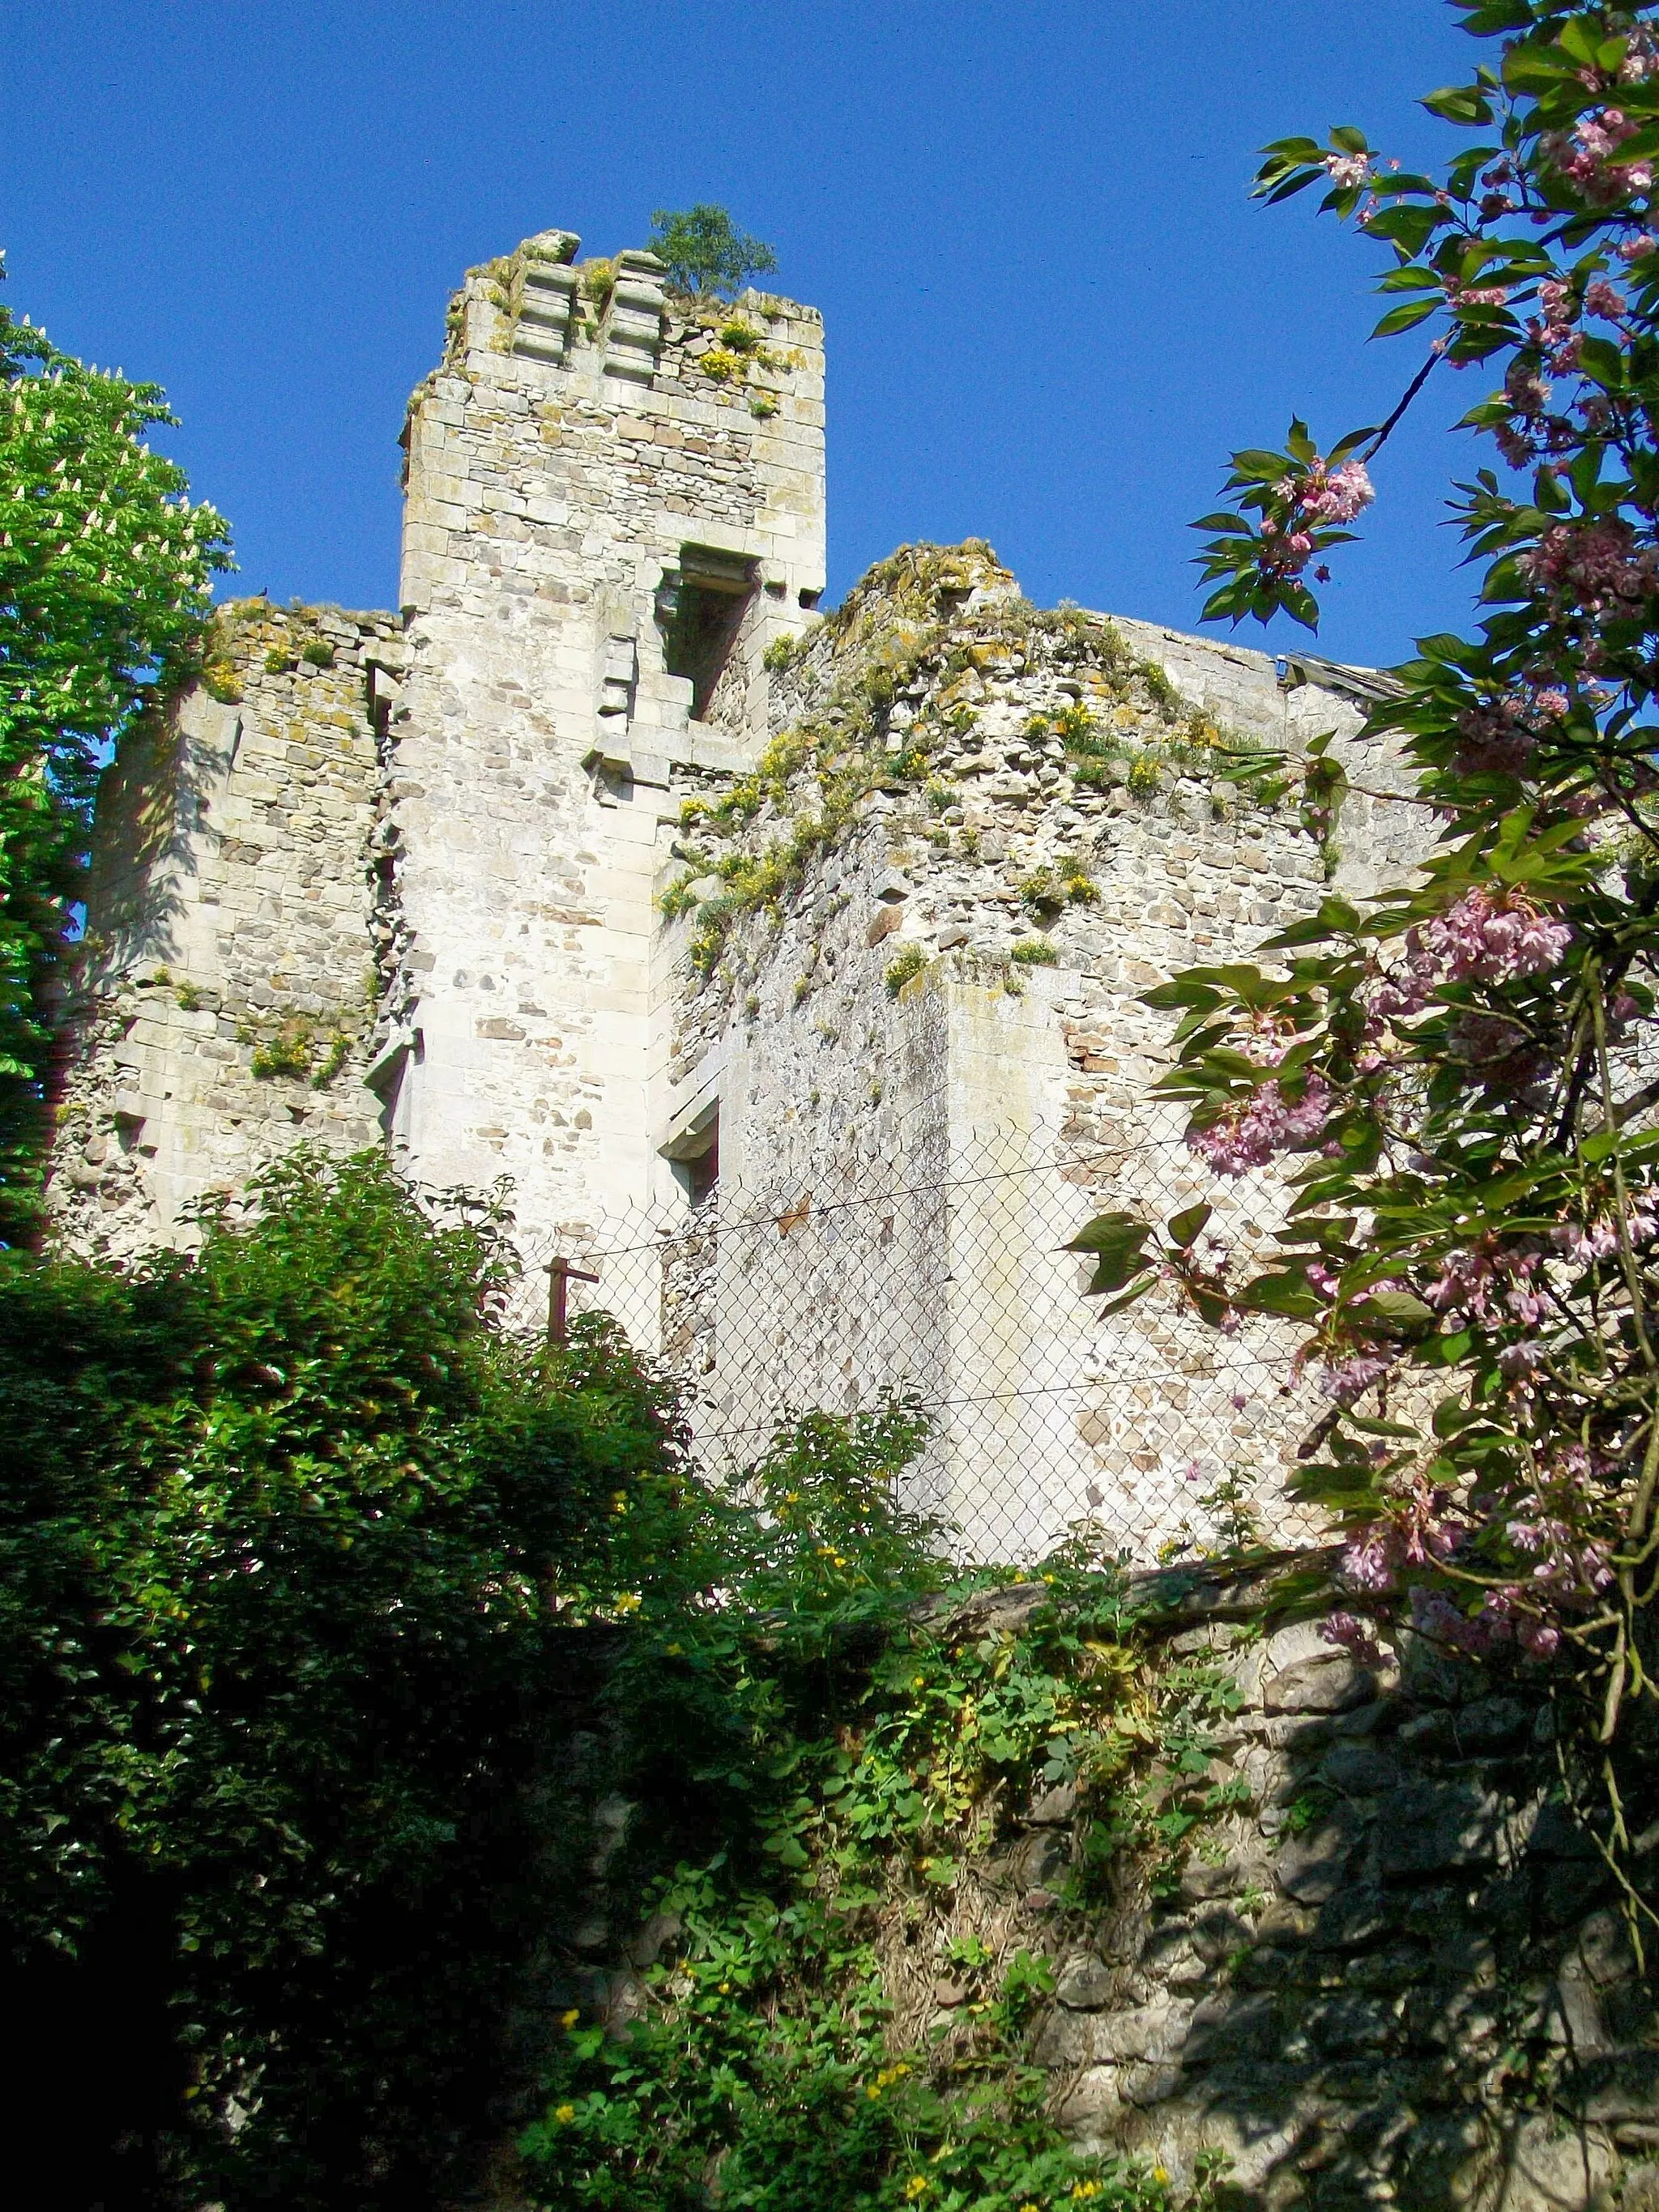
[701, 608]
[695, 1156]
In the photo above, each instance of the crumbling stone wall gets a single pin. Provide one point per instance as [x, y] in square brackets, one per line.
[941, 1009]
[1393, 1970]
[225, 1008]
[1397, 1973]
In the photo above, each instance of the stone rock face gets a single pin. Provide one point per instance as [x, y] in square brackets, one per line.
[1424, 1995]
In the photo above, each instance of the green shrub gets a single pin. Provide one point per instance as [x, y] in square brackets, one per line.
[287, 1053]
[1034, 952]
[705, 253]
[277, 1525]
[779, 654]
[900, 970]
[317, 652]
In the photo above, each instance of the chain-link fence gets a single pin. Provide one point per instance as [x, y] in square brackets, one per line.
[943, 1276]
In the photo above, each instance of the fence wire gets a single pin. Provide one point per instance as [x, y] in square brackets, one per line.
[942, 1276]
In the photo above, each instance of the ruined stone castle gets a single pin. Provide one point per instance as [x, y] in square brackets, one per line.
[790, 965]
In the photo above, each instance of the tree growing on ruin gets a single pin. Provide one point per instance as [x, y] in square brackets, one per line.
[705, 253]
[104, 588]
[1462, 1071]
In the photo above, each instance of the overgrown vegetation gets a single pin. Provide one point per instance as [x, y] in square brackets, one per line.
[276, 1662]
[104, 580]
[930, 622]
[824, 1766]
[704, 252]
[315, 1581]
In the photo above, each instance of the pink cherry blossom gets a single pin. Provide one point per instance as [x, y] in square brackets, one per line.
[1351, 1634]
[1347, 1380]
[1494, 937]
[1605, 300]
[1348, 171]
[1598, 564]
[1247, 1136]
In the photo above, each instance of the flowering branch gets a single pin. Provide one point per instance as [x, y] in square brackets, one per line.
[1456, 1077]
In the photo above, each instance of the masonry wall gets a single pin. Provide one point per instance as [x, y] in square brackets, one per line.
[913, 1119]
[1396, 1971]
[226, 1007]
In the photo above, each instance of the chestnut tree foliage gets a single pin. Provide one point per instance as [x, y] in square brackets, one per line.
[104, 574]
[1462, 1072]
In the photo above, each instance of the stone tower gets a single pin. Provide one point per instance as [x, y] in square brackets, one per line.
[791, 968]
[396, 874]
[616, 503]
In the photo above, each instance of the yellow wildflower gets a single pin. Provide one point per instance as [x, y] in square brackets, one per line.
[1161, 2175]
[563, 2115]
[568, 2020]
[628, 1602]
[917, 2185]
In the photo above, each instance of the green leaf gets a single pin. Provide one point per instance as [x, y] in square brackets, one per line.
[1286, 1295]
[1186, 1228]
[1118, 1241]
[1399, 1309]
[1405, 317]
[1459, 103]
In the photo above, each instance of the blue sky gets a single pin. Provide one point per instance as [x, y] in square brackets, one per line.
[1051, 310]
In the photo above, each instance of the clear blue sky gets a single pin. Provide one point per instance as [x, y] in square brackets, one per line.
[1051, 310]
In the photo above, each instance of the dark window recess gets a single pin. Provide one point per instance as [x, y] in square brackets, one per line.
[702, 1173]
[695, 1156]
[701, 608]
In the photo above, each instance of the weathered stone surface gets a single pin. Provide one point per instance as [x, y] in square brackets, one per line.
[1430, 1825]
[1085, 1983]
[1339, 2039]
[1329, 1685]
[1312, 1867]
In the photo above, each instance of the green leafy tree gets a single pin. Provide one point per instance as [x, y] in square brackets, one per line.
[706, 253]
[282, 1528]
[1461, 1070]
[104, 577]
